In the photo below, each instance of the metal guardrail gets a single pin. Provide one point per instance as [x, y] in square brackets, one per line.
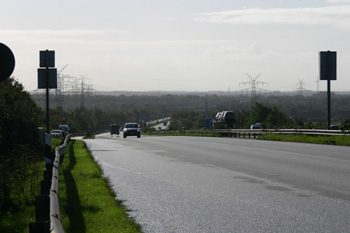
[256, 132]
[48, 217]
[283, 131]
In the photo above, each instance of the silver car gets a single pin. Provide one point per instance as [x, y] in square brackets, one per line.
[131, 129]
[56, 133]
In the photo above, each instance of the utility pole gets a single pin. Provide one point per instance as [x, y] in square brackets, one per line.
[82, 100]
[82, 93]
[318, 84]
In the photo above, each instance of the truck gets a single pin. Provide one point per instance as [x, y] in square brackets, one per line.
[114, 129]
[65, 129]
[224, 119]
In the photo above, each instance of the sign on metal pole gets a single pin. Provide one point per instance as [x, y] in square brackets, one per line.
[328, 71]
[47, 78]
[328, 65]
[47, 58]
[52, 75]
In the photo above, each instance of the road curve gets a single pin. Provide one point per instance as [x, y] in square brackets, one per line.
[195, 184]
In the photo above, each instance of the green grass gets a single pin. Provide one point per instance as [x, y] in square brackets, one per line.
[92, 136]
[55, 142]
[87, 202]
[18, 222]
[18, 218]
[319, 139]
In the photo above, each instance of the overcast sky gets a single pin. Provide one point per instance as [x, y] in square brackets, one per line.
[180, 45]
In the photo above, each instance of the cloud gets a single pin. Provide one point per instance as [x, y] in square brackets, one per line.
[337, 16]
[63, 33]
[171, 18]
[338, 1]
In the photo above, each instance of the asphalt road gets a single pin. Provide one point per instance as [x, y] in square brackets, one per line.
[195, 184]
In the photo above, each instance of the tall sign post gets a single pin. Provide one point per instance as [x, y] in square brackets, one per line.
[328, 71]
[47, 78]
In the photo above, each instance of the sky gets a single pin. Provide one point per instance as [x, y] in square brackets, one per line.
[180, 45]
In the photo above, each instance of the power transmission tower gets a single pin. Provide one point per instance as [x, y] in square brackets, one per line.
[300, 87]
[82, 94]
[60, 87]
[253, 84]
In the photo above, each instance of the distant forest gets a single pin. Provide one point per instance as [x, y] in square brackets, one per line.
[145, 108]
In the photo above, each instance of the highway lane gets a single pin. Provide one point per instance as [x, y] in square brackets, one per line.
[194, 184]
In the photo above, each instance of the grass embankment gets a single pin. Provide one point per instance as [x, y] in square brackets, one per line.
[87, 202]
[318, 139]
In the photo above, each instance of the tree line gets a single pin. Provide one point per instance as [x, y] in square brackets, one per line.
[100, 110]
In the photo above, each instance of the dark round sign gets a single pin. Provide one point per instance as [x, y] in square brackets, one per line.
[7, 62]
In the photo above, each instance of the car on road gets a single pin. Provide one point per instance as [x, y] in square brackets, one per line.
[65, 129]
[56, 133]
[334, 127]
[256, 126]
[131, 129]
[114, 129]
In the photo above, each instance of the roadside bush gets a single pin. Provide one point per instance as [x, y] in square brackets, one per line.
[345, 125]
[20, 147]
[270, 118]
[187, 119]
[148, 129]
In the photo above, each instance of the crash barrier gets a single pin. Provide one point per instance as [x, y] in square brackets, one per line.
[47, 212]
[253, 133]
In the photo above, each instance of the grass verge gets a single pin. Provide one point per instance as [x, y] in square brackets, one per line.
[318, 139]
[87, 202]
[91, 136]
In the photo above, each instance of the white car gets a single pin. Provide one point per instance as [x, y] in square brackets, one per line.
[56, 133]
[131, 129]
[256, 126]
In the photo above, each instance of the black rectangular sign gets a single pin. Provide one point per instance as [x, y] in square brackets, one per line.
[328, 65]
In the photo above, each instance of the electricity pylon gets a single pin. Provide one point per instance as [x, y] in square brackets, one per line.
[300, 88]
[253, 84]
